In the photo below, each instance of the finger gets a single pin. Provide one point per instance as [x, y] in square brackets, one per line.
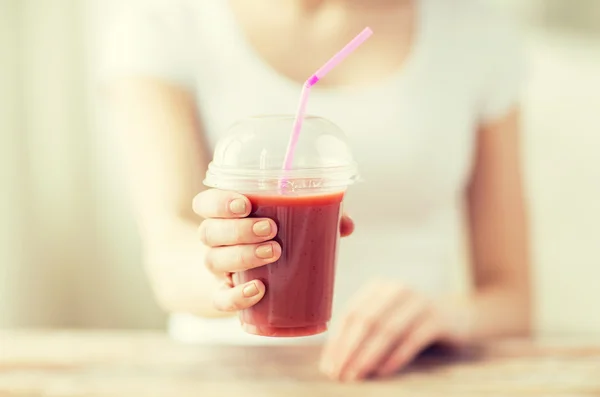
[420, 337]
[329, 357]
[361, 299]
[393, 329]
[228, 299]
[237, 258]
[363, 321]
[222, 232]
[414, 309]
[215, 203]
[346, 226]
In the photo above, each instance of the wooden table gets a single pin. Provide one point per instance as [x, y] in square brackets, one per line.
[149, 364]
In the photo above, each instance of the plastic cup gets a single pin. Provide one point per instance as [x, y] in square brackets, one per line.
[305, 203]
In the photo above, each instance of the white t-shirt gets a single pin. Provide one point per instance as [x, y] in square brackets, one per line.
[412, 134]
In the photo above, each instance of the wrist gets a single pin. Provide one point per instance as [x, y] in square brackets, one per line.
[457, 320]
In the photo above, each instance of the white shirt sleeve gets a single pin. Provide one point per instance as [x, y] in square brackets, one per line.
[503, 67]
[149, 39]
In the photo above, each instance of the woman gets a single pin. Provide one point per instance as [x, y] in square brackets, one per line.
[430, 104]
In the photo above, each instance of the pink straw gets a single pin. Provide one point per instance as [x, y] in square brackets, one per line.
[312, 80]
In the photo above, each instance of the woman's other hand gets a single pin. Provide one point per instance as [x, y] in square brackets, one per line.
[235, 243]
[387, 326]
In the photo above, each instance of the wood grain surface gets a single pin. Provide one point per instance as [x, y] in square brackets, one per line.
[149, 364]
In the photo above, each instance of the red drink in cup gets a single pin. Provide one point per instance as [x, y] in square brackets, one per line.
[300, 284]
[305, 203]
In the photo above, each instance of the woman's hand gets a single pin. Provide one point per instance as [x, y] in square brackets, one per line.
[387, 326]
[237, 243]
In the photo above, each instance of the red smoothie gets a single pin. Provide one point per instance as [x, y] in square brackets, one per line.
[299, 285]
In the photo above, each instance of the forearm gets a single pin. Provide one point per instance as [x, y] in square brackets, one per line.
[165, 158]
[497, 214]
[491, 312]
[174, 259]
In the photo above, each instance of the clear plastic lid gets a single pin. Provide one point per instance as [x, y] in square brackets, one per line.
[250, 157]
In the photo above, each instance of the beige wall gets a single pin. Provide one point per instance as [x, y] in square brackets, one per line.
[79, 262]
[58, 263]
[9, 115]
[39, 112]
[563, 142]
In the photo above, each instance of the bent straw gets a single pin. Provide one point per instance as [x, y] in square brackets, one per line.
[312, 80]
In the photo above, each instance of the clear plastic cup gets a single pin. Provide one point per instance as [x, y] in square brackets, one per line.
[305, 203]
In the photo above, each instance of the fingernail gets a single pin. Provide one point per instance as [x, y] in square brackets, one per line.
[238, 206]
[250, 290]
[265, 251]
[262, 228]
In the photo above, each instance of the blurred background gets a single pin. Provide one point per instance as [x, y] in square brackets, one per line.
[69, 252]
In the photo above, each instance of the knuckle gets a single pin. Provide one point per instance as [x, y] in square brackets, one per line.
[225, 304]
[197, 204]
[371, 324]
[404, 294]
[421, 304]
[365, 321]
[205, 202]
[237, 231]
[402, 356]
[203, 232]
[429, 310]
[409, 352]
[242, 258]
[389, 330]
[216, 302]
[236, 305]
[209, 261]
[212, 233]
[351, 318]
